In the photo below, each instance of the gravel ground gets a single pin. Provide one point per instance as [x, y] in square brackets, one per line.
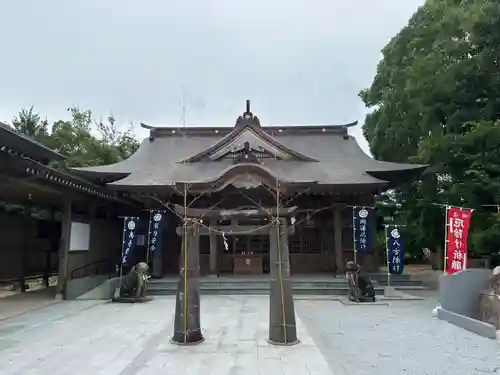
[402, 338]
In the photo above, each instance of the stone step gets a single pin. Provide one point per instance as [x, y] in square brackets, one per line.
[383, 276]
[252, 286]
[261, 291]
[265, 283]
[398, 283]
[260, 285]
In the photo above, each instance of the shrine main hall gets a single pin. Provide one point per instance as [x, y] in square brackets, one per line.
[319, 169]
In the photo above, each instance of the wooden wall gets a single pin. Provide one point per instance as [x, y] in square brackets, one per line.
[19, 234]
[105, 243]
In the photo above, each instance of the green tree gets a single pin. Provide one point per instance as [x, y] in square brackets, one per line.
[75, 140]
[437, 74]
[123, 143]
[472, 160]
[29, 123]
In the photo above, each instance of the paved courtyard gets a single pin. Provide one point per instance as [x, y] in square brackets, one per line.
[92, 337]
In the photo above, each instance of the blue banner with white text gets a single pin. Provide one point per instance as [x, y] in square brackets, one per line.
[362, 231]
[395, 250]
[129, 238]
[155, 230]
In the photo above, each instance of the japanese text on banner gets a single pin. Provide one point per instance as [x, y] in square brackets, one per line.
[457, 229]
[395, 250]
[129, 238]
[156, 230]
[362, 228]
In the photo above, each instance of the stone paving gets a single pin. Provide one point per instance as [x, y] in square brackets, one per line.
[100, 338]
[15, 303]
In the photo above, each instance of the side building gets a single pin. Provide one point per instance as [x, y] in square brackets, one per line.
[319, 169]
[53, 222]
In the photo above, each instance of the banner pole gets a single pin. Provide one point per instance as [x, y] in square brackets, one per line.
[464, 263]
[149, 237]
[121, 258]
[354, 233]
[445, 255]
[387, 255]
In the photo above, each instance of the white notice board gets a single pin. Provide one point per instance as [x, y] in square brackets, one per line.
[80, 236]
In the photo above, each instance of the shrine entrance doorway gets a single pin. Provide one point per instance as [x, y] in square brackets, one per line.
[235, 246]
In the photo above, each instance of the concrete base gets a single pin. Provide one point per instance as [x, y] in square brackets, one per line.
[470, 324]
[79, 287]
[182, 343]
[283, 343]
[105, 291]
[347, 301]
[131, 299]
[391, 292]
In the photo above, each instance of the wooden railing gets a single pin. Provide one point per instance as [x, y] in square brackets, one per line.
[98, 267]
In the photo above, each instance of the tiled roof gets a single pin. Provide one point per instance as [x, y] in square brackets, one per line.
[11, 138]
[160, 161]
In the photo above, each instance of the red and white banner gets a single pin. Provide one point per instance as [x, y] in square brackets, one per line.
[457, 229]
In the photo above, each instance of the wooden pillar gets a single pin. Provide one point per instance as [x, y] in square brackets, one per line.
[339, 250]
[282, 327]
[62, 276]
[27, 235]
[54, 244]
[213, 248]
[187, 328]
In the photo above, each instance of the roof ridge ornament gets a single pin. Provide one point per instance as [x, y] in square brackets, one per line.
[246, 155]
[248, 118]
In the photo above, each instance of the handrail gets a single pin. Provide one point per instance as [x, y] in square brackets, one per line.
[86, 267]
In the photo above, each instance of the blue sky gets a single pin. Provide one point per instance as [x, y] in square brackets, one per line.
[298, 61]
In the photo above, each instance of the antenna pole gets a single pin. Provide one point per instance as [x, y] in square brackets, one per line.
[183, 106]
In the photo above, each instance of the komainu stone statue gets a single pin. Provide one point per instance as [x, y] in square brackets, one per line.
[489, 301]
[360, 286]
[134, 285]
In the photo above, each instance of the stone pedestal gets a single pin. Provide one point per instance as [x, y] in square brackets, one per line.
[282, 328]
[187, 329]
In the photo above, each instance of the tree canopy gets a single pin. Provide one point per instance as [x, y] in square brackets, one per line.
[436, 99]
[83, 141]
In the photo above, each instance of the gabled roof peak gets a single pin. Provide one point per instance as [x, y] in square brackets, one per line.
[250, 135]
